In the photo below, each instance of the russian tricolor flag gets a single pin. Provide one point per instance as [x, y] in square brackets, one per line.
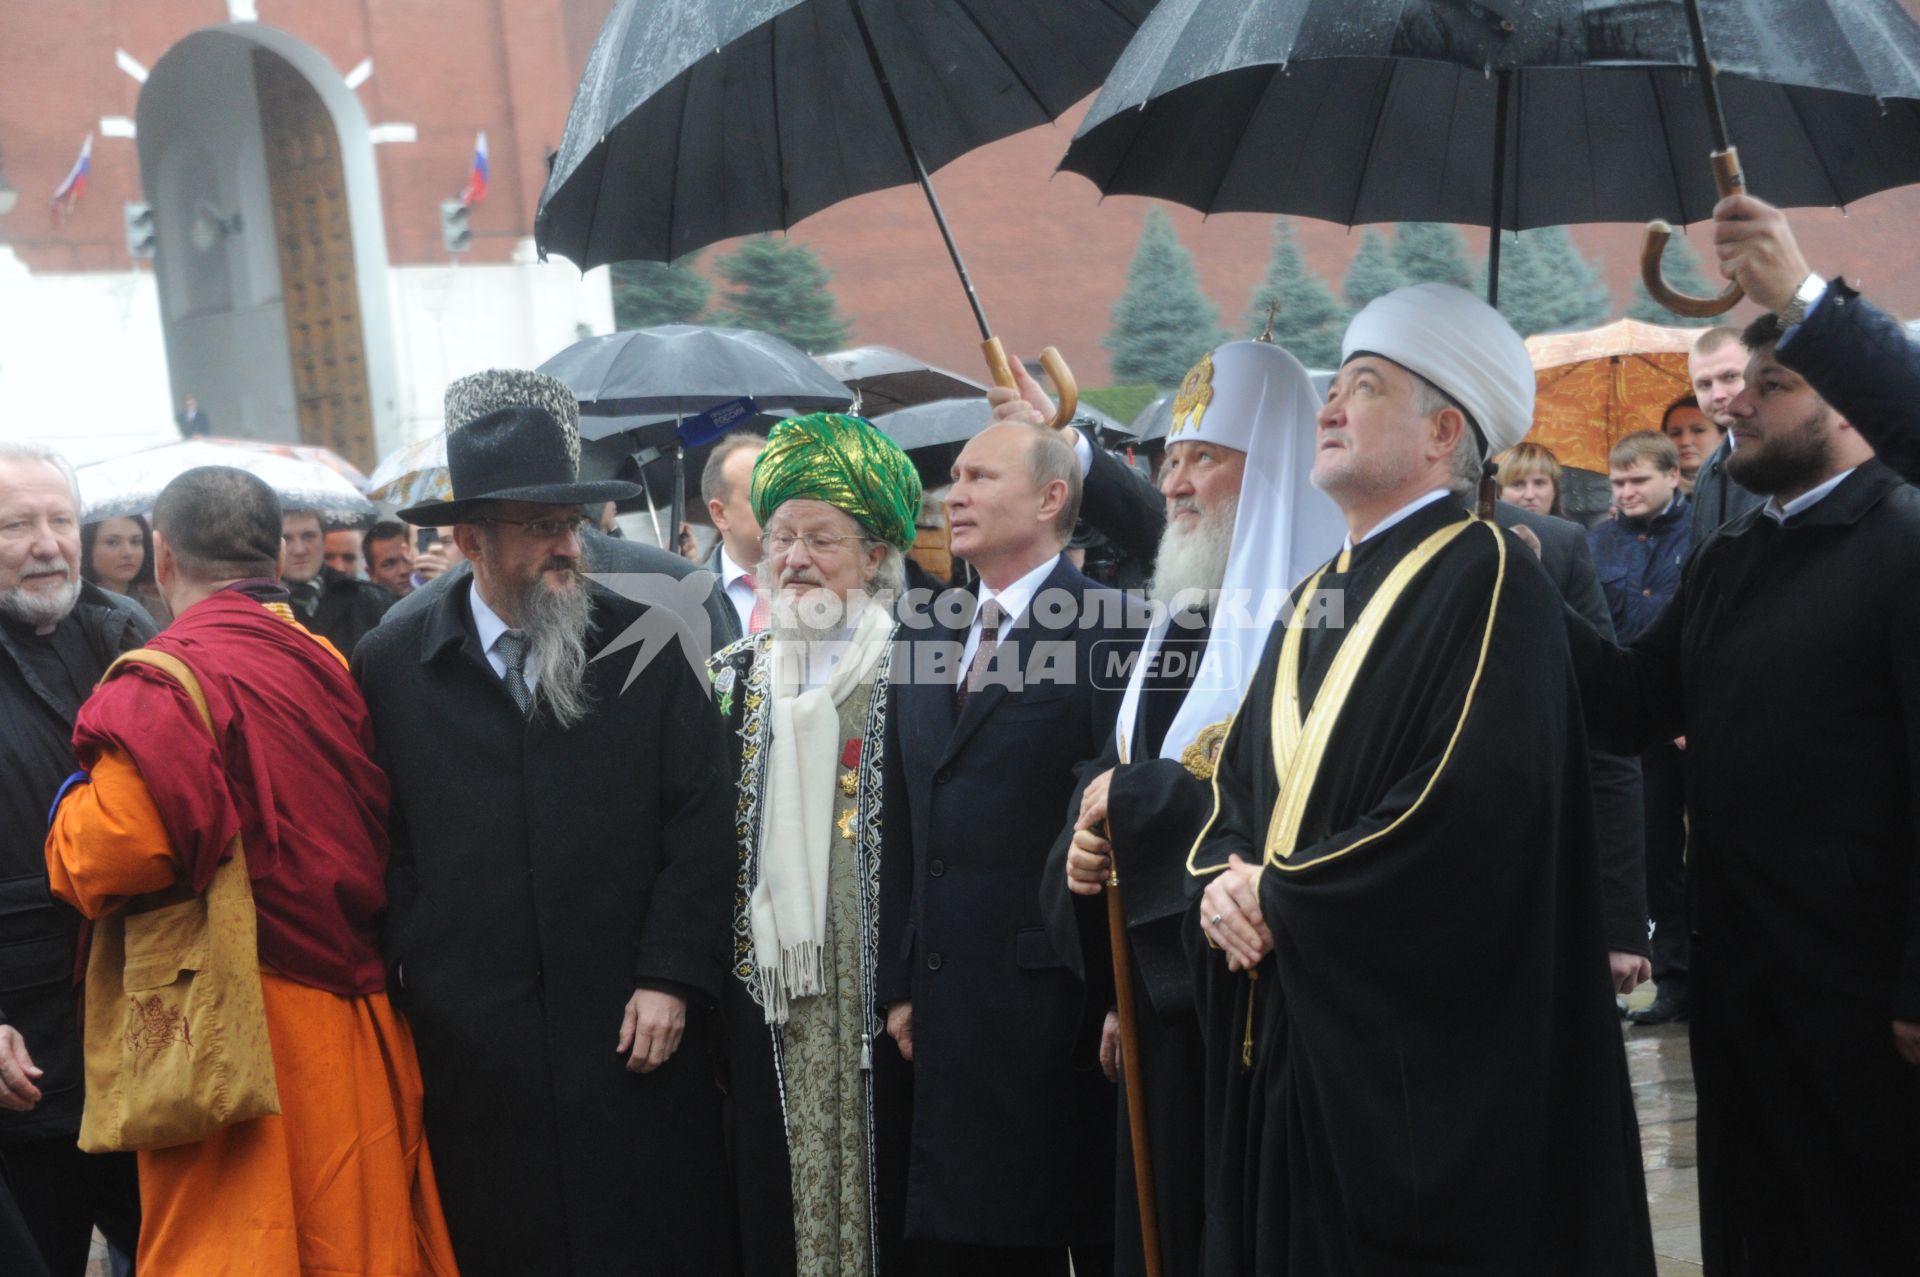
[476, 188]
[68, 193]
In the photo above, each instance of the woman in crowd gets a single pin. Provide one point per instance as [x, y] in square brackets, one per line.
[116, 555]
[1530, 478]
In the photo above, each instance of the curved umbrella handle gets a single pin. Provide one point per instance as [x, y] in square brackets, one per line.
[1728, 180]
[1066, 389]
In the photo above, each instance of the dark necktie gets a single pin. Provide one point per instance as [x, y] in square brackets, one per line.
[512, 646]
[990, 617]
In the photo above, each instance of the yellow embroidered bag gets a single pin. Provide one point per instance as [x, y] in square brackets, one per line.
[175, 1027]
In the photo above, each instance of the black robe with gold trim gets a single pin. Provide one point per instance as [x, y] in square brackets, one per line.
[1426, 1075]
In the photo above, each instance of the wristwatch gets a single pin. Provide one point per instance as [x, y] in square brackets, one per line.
[1811, 290]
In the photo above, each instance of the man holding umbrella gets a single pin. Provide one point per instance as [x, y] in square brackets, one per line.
[1414, 1061]
[559, 881]
[818, 1093]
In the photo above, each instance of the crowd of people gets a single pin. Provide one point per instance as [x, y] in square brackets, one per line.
[784, 909]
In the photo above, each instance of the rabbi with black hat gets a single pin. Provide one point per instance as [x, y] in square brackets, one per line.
[559, 894]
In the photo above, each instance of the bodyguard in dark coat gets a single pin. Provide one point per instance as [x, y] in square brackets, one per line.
[1012, 1155]
[1788, 660]
[561, 851]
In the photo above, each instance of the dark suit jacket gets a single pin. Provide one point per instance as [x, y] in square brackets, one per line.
[604, 554]
[1861, 362]
[1012, 1119]
[1717, 499]
[1120, 504]
[726, 627]
[1618, 804]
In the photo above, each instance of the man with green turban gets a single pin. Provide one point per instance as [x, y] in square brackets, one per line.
[818, 1091]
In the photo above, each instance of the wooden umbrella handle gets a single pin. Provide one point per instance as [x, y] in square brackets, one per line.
[1130, 1067]
[1728, 180]
[1066, 389]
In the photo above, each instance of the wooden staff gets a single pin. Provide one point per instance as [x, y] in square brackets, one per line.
[1136, 1087]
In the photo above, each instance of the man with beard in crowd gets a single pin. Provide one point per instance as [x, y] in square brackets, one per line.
[560, 877]
[58, 634]
[338, 1179]
[1243, 525]
[1400, 879]
[336, 605]
[1790, 660]
[817, 1091]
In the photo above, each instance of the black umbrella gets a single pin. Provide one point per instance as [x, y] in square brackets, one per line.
[884, 379]
[697, 120]
[1510, 115]
[932, 434]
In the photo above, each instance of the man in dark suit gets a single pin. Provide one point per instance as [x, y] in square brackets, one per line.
[1012, 1155]
[1717, 366]
[724, 482]
[338, 607]
[191, 420]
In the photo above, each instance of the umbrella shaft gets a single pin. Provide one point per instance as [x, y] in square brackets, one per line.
[919, 169]
[1709, 78]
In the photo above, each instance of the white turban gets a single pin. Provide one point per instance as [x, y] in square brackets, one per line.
[1460, 344]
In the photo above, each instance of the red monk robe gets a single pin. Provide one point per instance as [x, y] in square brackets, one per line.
[341, 1181]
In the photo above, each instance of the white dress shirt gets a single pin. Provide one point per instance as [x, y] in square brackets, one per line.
[1805, 501]
[488, 627]
[1013, 601]
[739, 586]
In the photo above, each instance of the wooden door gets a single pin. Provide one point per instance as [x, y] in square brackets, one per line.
[317, 278]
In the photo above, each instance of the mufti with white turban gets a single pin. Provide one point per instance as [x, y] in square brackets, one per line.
[1243, 525]
[1412, 1054]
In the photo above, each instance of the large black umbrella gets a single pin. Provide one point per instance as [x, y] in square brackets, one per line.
[1510, 114]
[697, 120]
[884, 379]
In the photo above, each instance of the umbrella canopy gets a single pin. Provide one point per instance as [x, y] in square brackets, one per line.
[1358, 111]
[129, 484]
[1594, 387]
[640, 381]
[932, 434]
[884, 379]
[413, 475]
[299, 452]
[698, 120]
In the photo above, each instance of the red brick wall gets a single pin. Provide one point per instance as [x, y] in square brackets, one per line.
[1049, 257]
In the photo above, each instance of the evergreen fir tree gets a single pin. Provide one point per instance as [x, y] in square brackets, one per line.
[1431, 252]
[1371, 273]
[650, 293]
[1163, 323]
[1546, 285]
[1682, 268]
[1308, 321]
[779, 286]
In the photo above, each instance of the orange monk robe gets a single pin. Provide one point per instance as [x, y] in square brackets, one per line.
[340, 1183]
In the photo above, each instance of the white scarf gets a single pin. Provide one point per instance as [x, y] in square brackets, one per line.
[788, 909]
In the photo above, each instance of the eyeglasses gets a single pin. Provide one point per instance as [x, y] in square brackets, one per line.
[818, 543]
[543, 529]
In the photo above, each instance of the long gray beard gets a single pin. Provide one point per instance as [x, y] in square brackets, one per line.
[555, 623]
[1193, 559]
[37, 610]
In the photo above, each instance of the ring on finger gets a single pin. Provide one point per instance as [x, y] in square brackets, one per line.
[1217, 919]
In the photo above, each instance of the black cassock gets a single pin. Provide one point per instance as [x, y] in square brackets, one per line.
[1155, 807]
[1426, 1074]
[1790, 659]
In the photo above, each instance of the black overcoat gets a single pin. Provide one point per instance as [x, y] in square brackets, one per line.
[538, 876]
[1012, 1137]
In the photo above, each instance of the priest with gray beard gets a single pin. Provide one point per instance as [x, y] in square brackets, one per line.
[1243, 524]
[557, 920]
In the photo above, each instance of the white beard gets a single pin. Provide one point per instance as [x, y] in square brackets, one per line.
[29, 607]
[1193, 556]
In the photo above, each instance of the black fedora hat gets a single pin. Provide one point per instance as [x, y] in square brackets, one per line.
[516, 453]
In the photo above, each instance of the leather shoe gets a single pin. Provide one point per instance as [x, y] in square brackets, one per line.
[1666, 1008]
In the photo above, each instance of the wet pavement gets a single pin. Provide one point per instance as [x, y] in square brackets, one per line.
[1662, 1075]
